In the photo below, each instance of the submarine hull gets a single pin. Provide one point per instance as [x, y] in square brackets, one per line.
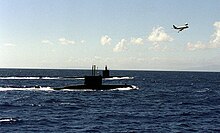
[95, 82]
[101, 87]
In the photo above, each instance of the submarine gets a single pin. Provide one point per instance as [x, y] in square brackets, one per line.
[94, 82]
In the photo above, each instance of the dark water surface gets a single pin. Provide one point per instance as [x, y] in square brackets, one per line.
[164, 102]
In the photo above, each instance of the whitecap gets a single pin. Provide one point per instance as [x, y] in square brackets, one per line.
[27, 89]
[127, 88]
[7, 120]
[118, 78]
[118, 89]
[79, 78]
[28, 78]
[20, 78]
[50, 77]
[203, 90]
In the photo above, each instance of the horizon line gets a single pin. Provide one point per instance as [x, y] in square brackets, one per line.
[159, 70]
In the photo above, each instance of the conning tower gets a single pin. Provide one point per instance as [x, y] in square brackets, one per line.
[93, 81]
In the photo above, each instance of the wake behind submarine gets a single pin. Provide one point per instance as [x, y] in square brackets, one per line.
[94, 82]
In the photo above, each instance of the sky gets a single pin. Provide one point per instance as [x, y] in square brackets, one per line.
[123, 34]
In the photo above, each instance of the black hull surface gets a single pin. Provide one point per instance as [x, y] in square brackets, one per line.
[101, 87]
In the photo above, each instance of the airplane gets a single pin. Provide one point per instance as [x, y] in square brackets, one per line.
[180, 28]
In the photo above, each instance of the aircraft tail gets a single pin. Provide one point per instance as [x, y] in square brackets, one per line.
[174, 27]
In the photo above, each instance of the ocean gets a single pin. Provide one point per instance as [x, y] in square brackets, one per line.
[162, 101]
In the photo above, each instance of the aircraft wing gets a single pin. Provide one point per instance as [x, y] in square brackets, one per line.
[181, 29]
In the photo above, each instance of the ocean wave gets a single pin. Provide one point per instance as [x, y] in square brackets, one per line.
[8, 120]
[50, 78]
[79, 78]
[203, 90]
[118, 89]
[39, 88]
[118, 78]
[127, 88]
[27, 89]
[28, 78]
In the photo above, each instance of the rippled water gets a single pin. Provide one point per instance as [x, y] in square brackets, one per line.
[164, 102]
